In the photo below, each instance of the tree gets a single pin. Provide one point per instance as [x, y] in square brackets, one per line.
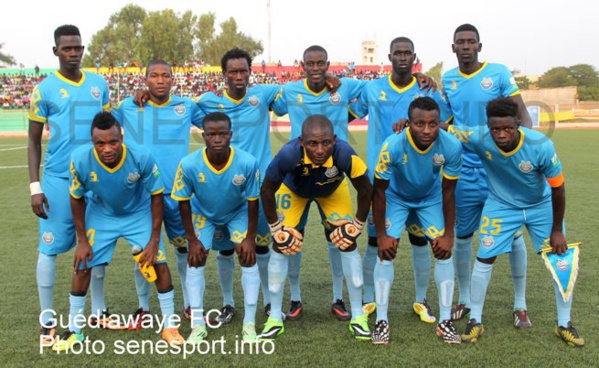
[160, 37]
[436, 71]
[523, 82]
[585, 75]
[212, 46]
[5, 58]
[557, 77]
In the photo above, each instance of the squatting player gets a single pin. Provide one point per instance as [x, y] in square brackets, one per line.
[221, 183]
[66, 101]
[407, 180]
[386, 101]
[468, 88]
[313, 168]
[526, 187]
[162, 125]
[124, 191]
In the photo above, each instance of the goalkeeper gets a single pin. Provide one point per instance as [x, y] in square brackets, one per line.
[313, 168]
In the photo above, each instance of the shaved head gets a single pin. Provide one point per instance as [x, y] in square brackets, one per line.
[316, 123]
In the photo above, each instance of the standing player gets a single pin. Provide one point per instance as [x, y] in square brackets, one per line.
[222, 182]
[162, 126]
[66, 101]
[312, 168]
[386, 101]
[407, 181]
[468, 88]
[526, 187]
[125, 200]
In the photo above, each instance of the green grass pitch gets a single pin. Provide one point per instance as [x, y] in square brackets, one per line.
[317, 338]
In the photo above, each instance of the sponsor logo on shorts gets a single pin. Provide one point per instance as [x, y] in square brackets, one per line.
[134, 177]
[335, 98]
[197, 231]
[253, 101]
[387, 224]
[238, 179]
[486, 83]
[96, 93]
[438, 159]
[488, 241]
[525, 166]
[281, 216]
[48, 238]
[180, 109]
[562, 264]
[218, 235]
[331, 172]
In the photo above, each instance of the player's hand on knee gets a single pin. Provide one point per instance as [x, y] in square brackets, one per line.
[38, 203]
[246, 252]
[286, 238]
[83, 253]
[387, 247]
[442, 247]
[197, 254]
[345, 232]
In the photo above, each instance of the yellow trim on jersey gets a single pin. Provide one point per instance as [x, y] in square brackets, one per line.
[448, 177]
[37, 119]
[107, 107]
[468, 76]
[358, 167]
[66, 80]
[118, 166]
[75, 196]
[237, 102]
[413, 144]
[515, 93]
[251, 199]
[449, 120]
[401, 90]
[353, 113]
[312, 92]
[179, 199]
[376, 175]
[508, 154]
[218, 172]
[556, 182]
[164, 104]
[327, 163]
[157, 192]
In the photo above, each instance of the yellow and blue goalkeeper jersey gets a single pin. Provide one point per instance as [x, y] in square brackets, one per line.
[68, 108]
[414, 174]
[163, 129]
[122, 190]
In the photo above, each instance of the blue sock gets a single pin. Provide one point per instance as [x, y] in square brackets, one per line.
[142, 287]
[336, 272]
[352, 269]
[563, 308]
[76, 307]
[250, 282]
[444, 279]
[277, 273]
[262, 260]
[226, 270]
[370, 256]
[295, 262]
[383, 279]
[182, 268]
[167, 307]
[481, 276]
[46, 271]
[518, 265]
[462, 253]
[96, 287]
[195, 284]
[421, 259]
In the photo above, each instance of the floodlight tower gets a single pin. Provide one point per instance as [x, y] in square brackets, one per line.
[269, 31]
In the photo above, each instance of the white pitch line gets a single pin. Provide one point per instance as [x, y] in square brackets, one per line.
[13, 167]
[12, 149]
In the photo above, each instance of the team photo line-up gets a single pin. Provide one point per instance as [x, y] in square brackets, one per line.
[440, 164]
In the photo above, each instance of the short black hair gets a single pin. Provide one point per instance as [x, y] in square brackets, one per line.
[65, 30]
[157, 62]
[314, 121]
[104, 121]
[401, 39]
[235, 53]
[502, 107]
[423, 103]
[465, 28]
[213, 117]
[316, 48]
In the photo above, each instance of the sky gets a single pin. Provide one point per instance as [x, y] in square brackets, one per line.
[530, 36]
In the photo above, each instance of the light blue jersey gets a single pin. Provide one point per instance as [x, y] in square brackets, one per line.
[517, 179]
[250, 119]
[163, 129]
[299, 101]
[415, 174]
[68, 108]
[385, 104]
[217, 194]
[115, 191]
[468, 95]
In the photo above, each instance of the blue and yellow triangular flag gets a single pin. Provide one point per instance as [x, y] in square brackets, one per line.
[563, 268]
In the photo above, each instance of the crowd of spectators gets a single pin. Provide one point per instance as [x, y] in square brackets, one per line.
[15, 90]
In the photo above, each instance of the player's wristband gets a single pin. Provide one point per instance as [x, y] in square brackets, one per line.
[35, 188]
[359, 224]
[277, 226]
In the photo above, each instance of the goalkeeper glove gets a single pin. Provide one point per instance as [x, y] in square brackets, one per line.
[287, 239]
[345, 232]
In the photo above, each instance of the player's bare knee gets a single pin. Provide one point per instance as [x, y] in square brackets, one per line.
[163, 276]
[417, 240]
[486, 260]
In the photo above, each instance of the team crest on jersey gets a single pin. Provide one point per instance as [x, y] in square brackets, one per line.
[201, 178]
[180, 109]
[48, 238]
[133, 177]
[486, 83]
[155, 171]
[335, 98]
[488, 241]
[525, 166]
[238, 179]
[331, 172]
[562, 264]
[438, 159]
[253, 100]
[96, 92]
